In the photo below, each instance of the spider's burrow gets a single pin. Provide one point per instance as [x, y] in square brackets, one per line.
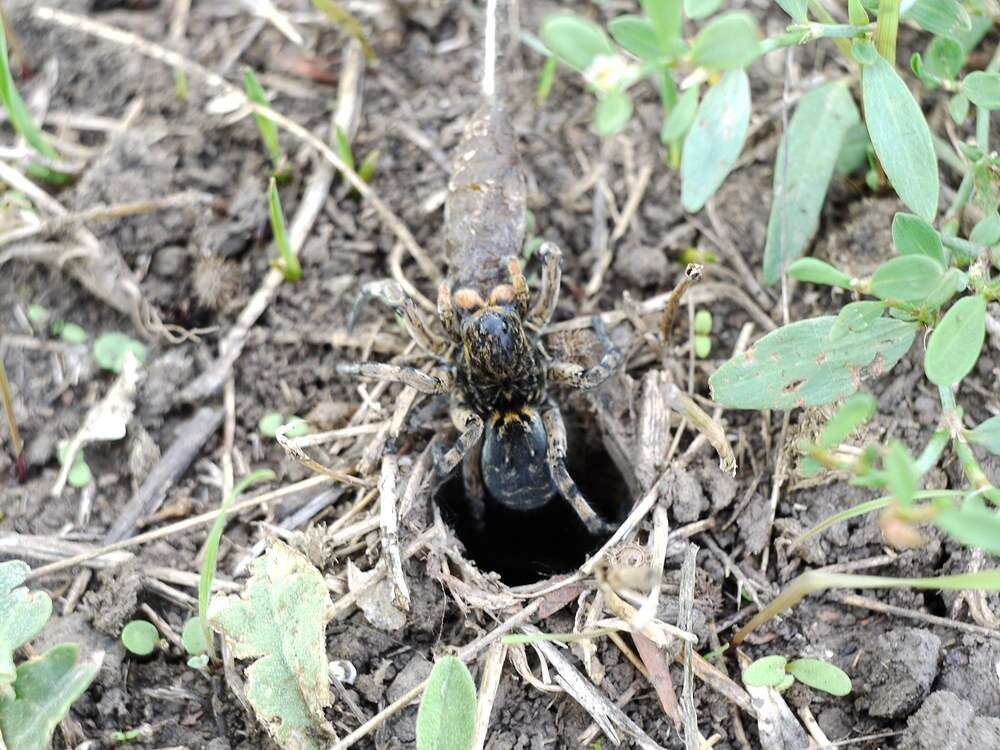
[526, 546]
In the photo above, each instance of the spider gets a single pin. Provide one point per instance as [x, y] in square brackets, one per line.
[512, 440]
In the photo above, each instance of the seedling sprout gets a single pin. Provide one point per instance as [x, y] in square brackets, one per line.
[140, 637]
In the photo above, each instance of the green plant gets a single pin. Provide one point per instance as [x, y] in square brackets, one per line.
[279, 622]
[288, 261]
[37, 694]
[194, 643]
[140, 637]
[702, 329]
[779, 673]
[79, 473]
[210, 552]
[71, 333]
[273, 421]
[22, 121]
[446, 718]
[368, 165]
[268, 130]
[110, 348]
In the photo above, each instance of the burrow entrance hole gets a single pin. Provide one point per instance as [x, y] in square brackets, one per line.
[527, 546]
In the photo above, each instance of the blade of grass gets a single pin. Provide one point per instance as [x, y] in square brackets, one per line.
[813, 581]
[338, 15]
[211, 551]
[20, 118]
[863, 508]
[886, 28]
[268, 130]
[289, 262]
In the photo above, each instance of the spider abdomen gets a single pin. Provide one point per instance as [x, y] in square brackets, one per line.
[513, 461]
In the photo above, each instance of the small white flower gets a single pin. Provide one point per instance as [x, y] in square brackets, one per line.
[611, 73]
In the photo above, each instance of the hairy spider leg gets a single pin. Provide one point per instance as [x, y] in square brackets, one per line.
[555, 432]
[577, 376]
[446, 312]
[471, 433]
[392, 295]
[522, 295]
[375, 371]
[548, 295]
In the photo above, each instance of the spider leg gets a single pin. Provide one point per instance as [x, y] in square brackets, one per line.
[522, 295]
[576, 376]
[548, 295]
[423, 382]
[555, 433]
[391, 294]
[446, 312]
[475, 490]
[446, 461]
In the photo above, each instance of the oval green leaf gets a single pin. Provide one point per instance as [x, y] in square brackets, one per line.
[987, 435]
[730, 41]
[636, 35]
[698, 9]
[908, 278]
[193, 637]
[576, 41]
[795, 8]
[983, 89]
[945, 58]
[901, 138]
[766, 672]
[447, 714]
[612, 113]
[911, 235]
[800, 365]
[140, 637]
[804, 165]
[852, 413]
[665, 15]
[954, 346]
[941, 17]
[715, 140]
[815, 271]
[110, 348]
[821, 676]
[855, 317]
[681, 116]
[972, 524]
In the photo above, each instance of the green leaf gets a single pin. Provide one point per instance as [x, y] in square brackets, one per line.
[986, 231]
[804, 165]
[715, 139]
[71, 333]
[945, 58]
[24, 614]
[45, 689]
[636, 35]
[702, 346]
[279, 621]
[972, 524]
[799, 365]
[766, 672]
[983, 89]
[268, 130]
[815, 271]
[863, 51]
[954, 346]
[576, 41]
[612, 113]
[941, 17]
[795, 8]
[140, 637]
[298, 428]
[855, 317]
[37, 315]
[79, 473]
[856, 13]
[289, 261]
[666, 18]
[958, 108]
[854, 412]
[681, 116]
[193, 637]
[987, 435]
[953, 282]
[20, 118]
[698, 9]
[907, 278]
[901, 472]
[821, 676]
[110, 348]
[343, 147]
[912, 235]
[270, 423]
[901, 138]
[854, 150]
[730, 41]
[703, 322]
[446, 718]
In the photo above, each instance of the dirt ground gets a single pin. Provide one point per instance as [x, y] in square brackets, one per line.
[916, 685]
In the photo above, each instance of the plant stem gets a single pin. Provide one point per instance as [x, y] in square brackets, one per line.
[886, 28]
[824, 16]
[8, 410]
